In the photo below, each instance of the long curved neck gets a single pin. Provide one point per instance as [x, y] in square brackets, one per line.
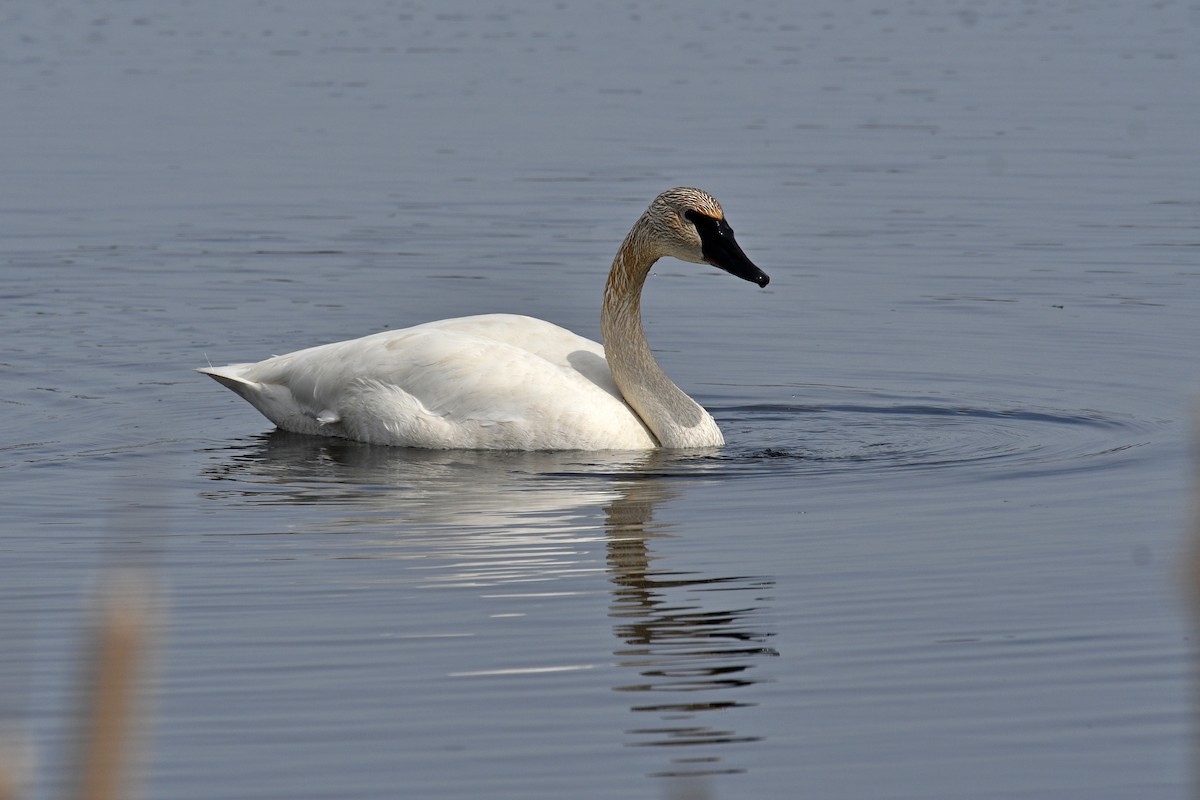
[676, 420]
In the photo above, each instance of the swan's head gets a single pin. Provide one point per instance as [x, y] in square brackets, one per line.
[690, 225]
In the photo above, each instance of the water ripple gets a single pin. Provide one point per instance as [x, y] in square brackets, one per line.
[873, 431]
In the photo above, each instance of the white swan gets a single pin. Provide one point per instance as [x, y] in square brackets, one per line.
[507, 382]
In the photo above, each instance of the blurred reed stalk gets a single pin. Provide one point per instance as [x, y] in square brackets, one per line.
[116, 667]
[1193, 587]
[14, 766]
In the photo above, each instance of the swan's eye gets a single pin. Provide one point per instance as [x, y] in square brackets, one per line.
[708, 227]
[701, 220]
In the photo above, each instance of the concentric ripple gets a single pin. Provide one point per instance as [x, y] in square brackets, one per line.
[857, 430]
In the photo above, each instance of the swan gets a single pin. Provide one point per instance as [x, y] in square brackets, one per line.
[511, 382]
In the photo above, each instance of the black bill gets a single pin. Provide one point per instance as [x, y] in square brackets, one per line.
[722, 250]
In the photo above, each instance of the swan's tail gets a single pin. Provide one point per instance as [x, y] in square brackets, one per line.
[273, 400]
[230, 377]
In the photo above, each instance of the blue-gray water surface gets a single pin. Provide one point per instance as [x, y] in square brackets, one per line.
[938, 556]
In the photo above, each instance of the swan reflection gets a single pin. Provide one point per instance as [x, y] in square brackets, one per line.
[688, 647]
[471, 489]
[690, 643]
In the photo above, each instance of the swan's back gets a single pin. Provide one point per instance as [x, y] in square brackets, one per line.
[496, 381]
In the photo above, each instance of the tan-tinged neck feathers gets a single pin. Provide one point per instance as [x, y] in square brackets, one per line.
[676, 420]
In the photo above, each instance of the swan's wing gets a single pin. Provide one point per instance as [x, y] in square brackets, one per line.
[496, 381]
[555, 344]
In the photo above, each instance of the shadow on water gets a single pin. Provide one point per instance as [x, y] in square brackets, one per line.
[689, 640]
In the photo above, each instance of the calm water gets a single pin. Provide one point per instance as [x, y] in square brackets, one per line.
[937, 558]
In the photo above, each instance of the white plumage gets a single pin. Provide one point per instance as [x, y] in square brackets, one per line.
[498, 381]
[504, 381]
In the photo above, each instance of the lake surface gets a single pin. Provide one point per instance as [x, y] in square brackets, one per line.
[938, 557]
